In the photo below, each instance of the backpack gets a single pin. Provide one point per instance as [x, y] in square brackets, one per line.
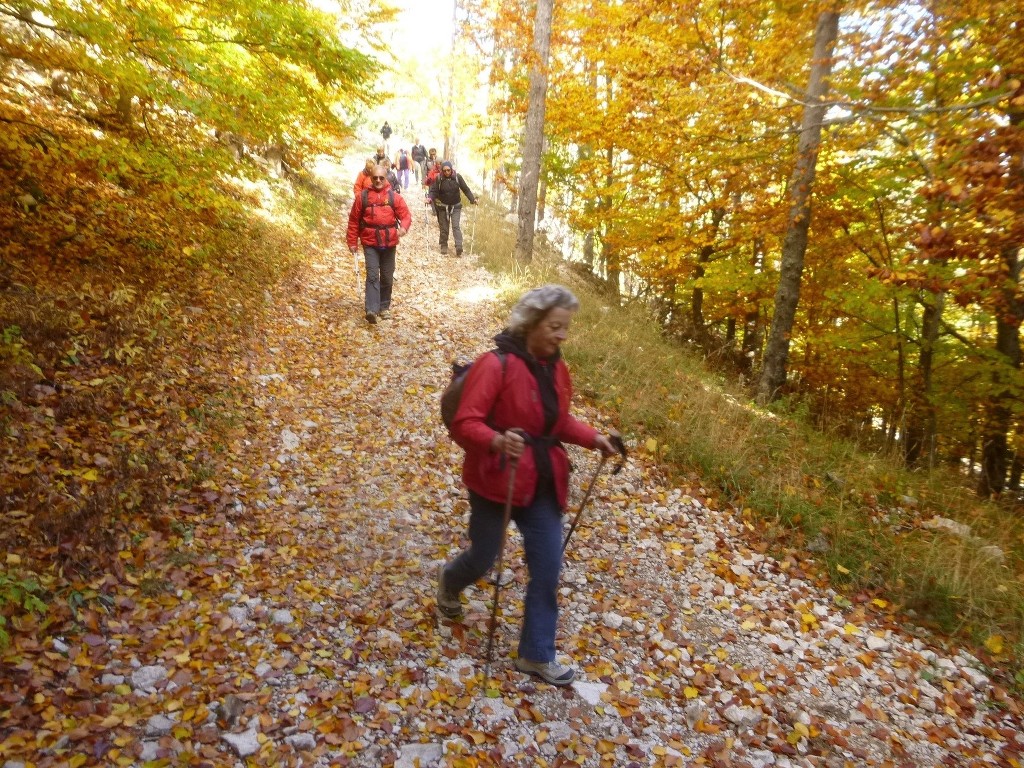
[452, 394]
[403, 161]
[366, 205]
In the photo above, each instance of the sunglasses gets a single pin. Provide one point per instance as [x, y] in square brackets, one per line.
[378, 178]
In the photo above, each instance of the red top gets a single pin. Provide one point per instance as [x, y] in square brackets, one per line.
[379, 227]
[514, 403]
[363, 181]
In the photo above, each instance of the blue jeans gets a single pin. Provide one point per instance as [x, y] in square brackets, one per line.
[380, 273]
[541, 526]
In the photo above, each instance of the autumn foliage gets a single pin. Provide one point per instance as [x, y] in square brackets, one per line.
[671, 134]
[135, 143]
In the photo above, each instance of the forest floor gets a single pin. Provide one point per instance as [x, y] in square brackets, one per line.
[294, 622]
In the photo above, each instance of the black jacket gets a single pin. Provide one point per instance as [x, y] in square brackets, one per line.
[445, 191]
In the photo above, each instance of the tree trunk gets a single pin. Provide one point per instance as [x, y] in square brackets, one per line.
[994, 445]
[533, 134]
[920, 430]
[697, 297]
[794, 246]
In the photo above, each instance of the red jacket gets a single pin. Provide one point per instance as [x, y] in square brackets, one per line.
[512, 399]
[379, 227]
[363, 181]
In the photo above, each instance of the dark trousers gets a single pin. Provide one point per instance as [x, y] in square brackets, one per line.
[380, 274]
[446, 214]
[540, 523]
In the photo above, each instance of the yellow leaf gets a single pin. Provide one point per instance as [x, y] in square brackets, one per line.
[13, 559]
[842, 569]
[851, 629]
[690, 692]
[748, 624]
[183, 658]
[77, 760]
[809, 618]
[994, 644]
[879, 602]
[651, 445]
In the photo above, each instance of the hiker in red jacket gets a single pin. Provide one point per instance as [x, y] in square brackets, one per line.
[516, 409]
[378, 218]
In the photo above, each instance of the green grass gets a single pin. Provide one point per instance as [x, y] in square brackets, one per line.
[863, 510]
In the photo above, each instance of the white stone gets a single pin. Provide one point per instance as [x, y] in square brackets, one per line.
[976, 678]
[146, 678]
[159, 725]
[281, 616]
[245, 743]
[590, 692]
[301, 741]
[875, 643]
[289, 440]
[419, 756]
[742, 717]
[150, 750]
[612, 620]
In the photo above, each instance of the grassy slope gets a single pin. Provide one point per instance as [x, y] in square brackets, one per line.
[809, 496]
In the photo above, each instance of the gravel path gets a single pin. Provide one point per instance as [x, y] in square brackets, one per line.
[298, 627]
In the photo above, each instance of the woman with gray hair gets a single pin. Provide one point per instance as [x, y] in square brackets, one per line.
[514, 410]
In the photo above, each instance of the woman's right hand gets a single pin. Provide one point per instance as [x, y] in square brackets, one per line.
[510, 443]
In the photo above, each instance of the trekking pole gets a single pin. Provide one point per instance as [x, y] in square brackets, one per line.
[500, 565]
[355, 266]
[472, 232]
[621, 448]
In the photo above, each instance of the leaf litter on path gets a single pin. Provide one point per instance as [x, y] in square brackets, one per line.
[295, 625]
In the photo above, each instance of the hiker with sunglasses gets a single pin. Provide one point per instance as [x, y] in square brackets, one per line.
[512, 420]
[378, 219]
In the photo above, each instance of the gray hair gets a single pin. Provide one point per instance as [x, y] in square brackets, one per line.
[534, 305]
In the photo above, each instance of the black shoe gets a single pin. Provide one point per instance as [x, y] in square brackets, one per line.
[371, 318]
[458, 251]
[442, 249]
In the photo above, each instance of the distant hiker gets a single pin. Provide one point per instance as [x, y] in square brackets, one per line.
[445, 193]
[403, 165]
[516, 409]
[385, 131]
[381, 155]
[392, 176]
[433, 171]
[419, 158]
[379, 217]
[363, 180]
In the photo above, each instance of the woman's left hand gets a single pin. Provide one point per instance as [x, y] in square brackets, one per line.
[604, 445]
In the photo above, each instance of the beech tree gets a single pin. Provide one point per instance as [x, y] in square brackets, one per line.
[801, 184]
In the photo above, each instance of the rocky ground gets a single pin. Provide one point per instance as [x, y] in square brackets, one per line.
[289, 619]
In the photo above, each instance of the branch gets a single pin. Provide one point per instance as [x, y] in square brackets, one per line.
[867, 109]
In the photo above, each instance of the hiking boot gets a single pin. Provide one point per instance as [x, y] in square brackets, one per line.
[442, 249]
[371, 318]
[447, 603]
[458, 251]
[384, 314]
[548, 671]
